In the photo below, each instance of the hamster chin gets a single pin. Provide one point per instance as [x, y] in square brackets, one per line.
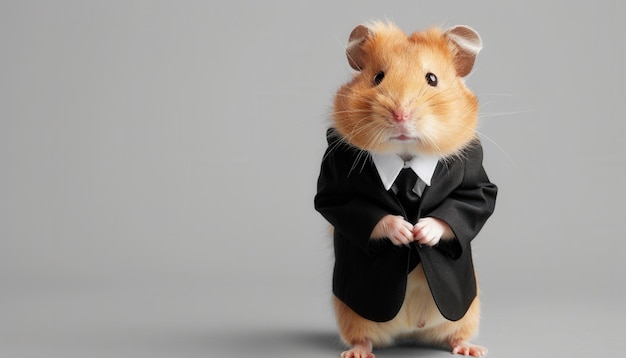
[404, 148]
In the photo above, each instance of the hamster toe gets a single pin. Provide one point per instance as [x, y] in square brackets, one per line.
[468, 349]
[359, 351]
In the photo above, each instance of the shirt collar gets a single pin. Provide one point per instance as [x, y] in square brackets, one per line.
[390, 165]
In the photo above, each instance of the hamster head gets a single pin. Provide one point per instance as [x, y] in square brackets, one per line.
[408, 95]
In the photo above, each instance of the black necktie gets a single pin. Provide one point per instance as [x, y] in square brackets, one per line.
[405, 182]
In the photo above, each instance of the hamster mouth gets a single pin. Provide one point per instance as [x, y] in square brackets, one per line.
[403, 138]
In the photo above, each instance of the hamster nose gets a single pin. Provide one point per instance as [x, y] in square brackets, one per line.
[400, 115]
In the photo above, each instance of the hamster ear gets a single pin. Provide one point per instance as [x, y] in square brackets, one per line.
[466, 44]
[354, 51]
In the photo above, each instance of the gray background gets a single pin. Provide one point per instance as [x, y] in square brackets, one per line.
[159, 162]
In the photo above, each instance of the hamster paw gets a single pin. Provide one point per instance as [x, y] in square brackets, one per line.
[359, 350]
[357, 353]
[468, 349]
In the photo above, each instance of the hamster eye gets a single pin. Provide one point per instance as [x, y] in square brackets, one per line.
[431, 79]
[378, 78]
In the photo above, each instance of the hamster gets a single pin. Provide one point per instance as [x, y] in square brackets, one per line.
[397, 277]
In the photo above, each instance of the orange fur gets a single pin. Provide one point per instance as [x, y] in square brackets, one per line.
[444, 117]
[442, 122]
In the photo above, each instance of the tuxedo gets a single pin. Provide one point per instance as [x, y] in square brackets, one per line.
[370, 275]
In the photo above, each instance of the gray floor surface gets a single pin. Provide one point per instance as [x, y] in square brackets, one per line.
[199, 317]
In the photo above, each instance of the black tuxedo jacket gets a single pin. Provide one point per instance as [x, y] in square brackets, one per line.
[370, 276]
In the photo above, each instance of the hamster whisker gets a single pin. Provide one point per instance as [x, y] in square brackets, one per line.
[375, 139]
[359, 128]
[495, 94]
[482, 135]
[498, 114]
[352, 111]
[363, 154]
[356, 97]
[432, 142]
[492, 141]
[337, 142]
[377, 135]
[435, 94]
[420, 93]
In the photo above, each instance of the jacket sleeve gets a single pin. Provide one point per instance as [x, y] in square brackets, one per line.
[469, 206]
[352, 215]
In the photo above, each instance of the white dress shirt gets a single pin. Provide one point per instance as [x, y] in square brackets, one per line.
[390, 165]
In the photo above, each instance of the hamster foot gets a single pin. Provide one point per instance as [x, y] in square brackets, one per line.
[467, 349]
[359, 350]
